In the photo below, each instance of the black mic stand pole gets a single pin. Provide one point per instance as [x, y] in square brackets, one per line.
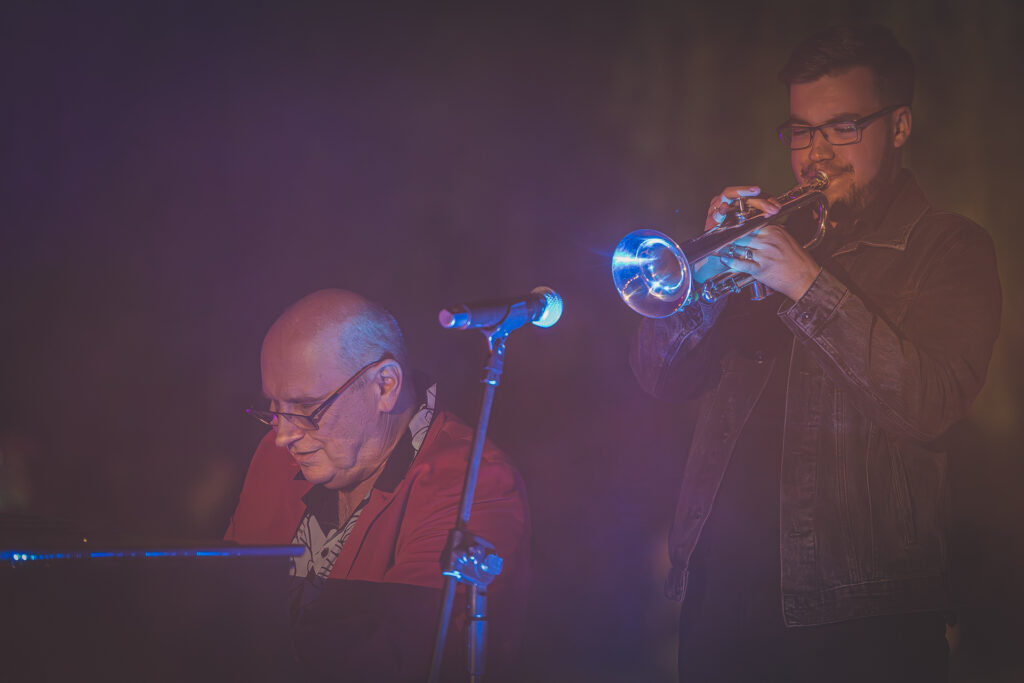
[467, 558]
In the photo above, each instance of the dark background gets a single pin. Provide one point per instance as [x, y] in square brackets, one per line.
[175, 174]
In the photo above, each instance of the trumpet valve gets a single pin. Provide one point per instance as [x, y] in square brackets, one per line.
[759, 291]
[742, 212]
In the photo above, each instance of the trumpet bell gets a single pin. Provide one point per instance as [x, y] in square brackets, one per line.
[651, 273]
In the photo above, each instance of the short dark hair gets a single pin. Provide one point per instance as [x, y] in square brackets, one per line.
[839, 48]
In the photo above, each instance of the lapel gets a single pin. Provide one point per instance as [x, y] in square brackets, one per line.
[386, 489]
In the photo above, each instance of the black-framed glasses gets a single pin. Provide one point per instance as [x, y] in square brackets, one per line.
[836, 133]
[311, 422]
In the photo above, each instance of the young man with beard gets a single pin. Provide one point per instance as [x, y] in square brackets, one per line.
[809, 541]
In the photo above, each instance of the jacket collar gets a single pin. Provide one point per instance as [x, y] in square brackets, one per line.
[889, 223]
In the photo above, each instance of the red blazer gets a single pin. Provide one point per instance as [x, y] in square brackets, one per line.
[401, 532]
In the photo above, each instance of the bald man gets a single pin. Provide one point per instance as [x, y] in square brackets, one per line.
[364, 469]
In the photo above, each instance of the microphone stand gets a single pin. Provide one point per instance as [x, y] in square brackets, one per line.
[467, 558]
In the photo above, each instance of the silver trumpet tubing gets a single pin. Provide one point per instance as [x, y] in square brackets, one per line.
[654, 275]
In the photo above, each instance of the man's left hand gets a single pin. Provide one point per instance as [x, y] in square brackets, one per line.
[773, 257]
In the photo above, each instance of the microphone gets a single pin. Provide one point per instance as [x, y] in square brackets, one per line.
[542, 307]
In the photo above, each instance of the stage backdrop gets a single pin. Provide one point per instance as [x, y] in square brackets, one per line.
[175, 174]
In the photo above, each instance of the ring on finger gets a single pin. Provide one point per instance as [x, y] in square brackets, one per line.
[748, 254]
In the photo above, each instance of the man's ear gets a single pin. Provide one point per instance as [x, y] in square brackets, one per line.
[902, 121]
[388, 380]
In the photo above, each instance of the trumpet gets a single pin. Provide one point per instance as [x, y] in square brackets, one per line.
[654, 275]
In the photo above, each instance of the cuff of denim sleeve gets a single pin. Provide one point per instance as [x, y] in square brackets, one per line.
[817, 305]
[700, 315]
[691, 316]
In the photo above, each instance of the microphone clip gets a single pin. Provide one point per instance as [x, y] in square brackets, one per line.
[518, 315]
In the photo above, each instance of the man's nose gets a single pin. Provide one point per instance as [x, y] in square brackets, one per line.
[820, 147]
[285, 432]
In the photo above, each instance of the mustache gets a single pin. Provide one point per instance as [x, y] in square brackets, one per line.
[832, 170]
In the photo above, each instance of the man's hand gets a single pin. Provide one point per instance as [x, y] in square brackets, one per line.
[721, 204]
[775, 259]
[769, 254]
[717, 212]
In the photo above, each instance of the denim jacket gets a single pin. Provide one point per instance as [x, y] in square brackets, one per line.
[890, 346]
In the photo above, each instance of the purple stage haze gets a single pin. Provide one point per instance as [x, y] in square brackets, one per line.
[175, 174]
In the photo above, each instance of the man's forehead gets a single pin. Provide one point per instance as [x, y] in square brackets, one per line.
[297, 367]
[841, 95]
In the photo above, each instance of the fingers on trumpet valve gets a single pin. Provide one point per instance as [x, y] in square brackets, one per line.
[722, 203]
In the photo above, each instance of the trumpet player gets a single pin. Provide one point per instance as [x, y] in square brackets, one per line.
[809, 540]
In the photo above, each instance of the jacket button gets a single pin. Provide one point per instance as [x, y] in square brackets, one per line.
[759, 357]
[805, 316]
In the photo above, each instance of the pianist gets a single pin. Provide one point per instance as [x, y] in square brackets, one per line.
[364, 467]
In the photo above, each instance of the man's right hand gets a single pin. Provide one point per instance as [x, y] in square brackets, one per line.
[718, 210]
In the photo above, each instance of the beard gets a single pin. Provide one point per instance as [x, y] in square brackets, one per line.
[845, 211]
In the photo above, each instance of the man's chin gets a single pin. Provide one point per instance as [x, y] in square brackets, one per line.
[848, 202]
[315, 474]
[329, 478]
